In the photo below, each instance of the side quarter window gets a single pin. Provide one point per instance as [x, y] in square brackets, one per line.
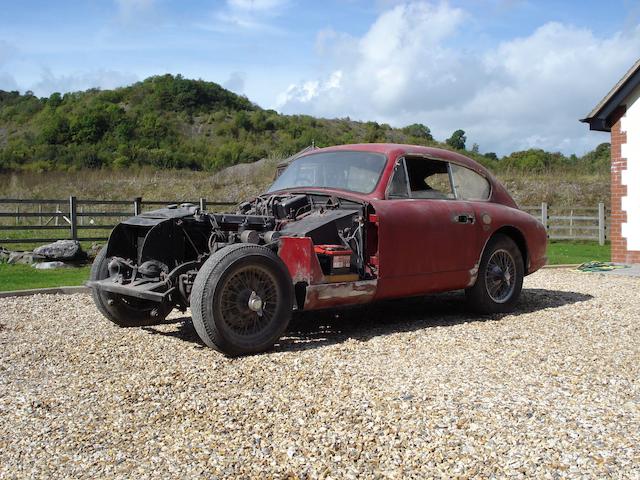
[470, 185]
[398, 184]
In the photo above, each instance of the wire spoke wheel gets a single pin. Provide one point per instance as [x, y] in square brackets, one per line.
[248, 300]
[500, 276]
[242, 299]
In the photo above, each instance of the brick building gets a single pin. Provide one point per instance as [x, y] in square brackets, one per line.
[619, 113]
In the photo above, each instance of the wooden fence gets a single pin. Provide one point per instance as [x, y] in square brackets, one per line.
[74, 216]
[572, 223]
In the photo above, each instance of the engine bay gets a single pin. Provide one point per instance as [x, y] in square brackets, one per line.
[157, 255]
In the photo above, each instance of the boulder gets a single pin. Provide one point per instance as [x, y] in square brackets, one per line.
[49, 265]
[94, 250]
[63, 250]
[20, 257]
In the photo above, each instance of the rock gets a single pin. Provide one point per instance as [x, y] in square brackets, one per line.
[94, 250]
[49, 265]
[61, 250]
[20, 257]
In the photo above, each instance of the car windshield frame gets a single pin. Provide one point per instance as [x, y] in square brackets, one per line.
[336, 153]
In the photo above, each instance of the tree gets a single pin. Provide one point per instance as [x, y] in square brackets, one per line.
[457, 140]
[55, 99]
[374, 132]
[418, 130]
[475, 148]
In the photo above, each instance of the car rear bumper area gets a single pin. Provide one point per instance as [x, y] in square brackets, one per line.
[152, 291]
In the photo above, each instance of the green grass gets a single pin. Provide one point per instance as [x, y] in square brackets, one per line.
[577, 252]
[22, 277]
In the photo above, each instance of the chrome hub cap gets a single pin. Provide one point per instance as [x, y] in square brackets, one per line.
[255, 303]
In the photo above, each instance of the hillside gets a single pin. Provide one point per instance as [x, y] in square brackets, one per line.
[169, 122]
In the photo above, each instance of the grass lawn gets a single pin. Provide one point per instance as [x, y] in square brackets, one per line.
[577, 252]
[22, 277]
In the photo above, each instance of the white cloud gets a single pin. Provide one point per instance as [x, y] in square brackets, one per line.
[6, 51]
[256, 5]
[129, 9]
[526, 92]
[247, 15]
[7, 82]
[236, 82]
[104, 79]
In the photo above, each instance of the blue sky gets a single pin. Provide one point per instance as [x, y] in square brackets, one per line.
[514, 74]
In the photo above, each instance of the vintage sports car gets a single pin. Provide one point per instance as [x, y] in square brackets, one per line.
[339, 226]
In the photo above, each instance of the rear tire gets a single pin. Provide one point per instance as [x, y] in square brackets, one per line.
[123, 311]
[499, 283]
[242, 299]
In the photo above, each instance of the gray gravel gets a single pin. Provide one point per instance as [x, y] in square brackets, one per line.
[413, 388]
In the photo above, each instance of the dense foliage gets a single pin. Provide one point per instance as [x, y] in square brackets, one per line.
[172, 122]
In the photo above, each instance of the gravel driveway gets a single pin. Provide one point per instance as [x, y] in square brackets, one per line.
[414, 388]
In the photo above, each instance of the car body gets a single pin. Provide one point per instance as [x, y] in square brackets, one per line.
[340, 226]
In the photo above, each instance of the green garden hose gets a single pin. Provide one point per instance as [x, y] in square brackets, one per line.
[600, 267]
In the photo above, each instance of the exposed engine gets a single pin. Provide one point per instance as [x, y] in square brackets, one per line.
[156, 255]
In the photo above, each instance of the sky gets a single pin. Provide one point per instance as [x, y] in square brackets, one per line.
[514, 74]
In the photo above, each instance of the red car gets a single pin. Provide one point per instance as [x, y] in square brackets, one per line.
[339, 226]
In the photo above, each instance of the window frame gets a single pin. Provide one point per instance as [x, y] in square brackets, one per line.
[454, 188]
[398, 163]
[488, 199]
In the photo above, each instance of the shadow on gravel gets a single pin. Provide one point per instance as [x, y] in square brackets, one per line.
[314, 329]
[327, 327]
[184, 330]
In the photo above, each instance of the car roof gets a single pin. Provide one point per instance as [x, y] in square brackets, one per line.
[394, 150]
[398, 149]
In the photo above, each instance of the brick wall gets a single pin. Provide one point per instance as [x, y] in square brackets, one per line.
[619, 252]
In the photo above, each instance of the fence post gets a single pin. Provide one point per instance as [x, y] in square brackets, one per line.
[601, 224]
[56, 216]
[17, 214]
[137, 206]
[73, 217]
[571, 223]
[203, 204]
[544, 216]
[40, 212]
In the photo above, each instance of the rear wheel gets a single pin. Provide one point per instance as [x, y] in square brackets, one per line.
[242, 299]
[500, 276]
[123, 311]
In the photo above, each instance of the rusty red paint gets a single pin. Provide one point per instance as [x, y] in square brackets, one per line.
[415, 246]
[299, 256]
[339, 294]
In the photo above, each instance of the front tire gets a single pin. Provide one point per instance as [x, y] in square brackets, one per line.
[499, 283]
[242, 299]
[123, 311]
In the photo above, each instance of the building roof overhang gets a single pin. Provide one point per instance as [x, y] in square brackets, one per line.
[600, 118]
